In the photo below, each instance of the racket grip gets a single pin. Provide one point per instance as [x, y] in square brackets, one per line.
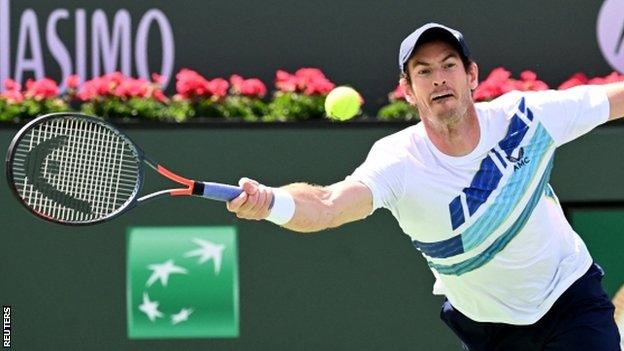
[220, 192]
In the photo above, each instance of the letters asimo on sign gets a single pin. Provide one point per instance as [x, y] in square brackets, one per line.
[114, 45]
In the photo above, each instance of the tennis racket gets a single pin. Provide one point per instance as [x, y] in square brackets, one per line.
[76, 169]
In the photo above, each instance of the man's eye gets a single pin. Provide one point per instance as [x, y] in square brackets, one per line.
[424, 71]
[450, 65]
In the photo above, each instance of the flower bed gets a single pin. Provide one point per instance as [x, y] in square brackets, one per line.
[296, 96]
[497, 83]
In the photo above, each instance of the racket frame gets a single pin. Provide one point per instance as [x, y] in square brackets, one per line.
[128, 204]
[215, 191]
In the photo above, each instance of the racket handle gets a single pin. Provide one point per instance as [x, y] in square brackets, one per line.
[218, 191]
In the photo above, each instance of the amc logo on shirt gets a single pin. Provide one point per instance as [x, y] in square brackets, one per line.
[519, 160]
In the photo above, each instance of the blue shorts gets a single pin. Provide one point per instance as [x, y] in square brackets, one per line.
[581, 319]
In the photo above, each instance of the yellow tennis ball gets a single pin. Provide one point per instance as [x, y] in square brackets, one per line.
[342, 103]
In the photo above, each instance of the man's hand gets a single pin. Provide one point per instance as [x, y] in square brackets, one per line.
[253, 202]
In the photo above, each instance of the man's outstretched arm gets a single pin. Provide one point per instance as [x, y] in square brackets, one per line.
[615, 93]
[315, 207]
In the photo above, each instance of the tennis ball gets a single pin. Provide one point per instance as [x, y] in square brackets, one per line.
[342, 103]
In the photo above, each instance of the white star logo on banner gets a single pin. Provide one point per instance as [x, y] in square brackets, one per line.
[204, 251]
[181, 316]
[207, 251]
[162, 271]
[150, 308]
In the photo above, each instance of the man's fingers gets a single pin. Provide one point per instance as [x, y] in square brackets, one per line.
[244, 180]
[237, 202]
[252, 203]
[250, 188]
[260, 199]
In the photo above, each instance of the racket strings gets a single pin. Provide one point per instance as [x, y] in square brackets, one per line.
[75, 170]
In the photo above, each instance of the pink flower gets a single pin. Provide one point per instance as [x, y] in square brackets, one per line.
[307, 76]
[496, 84]
[397, 93]
[41, 89]
[311, 73]
[10, 84]
[117, 85]
[576, 79]
[132, 88]
[12, 96]
[236, 81]
[29, 83]
[499, 82]
[285, 82]
[282, 75]
[252, 87]
[87, 92]
[528, 75]
[615, 77]
[93, 88]
[102, 85]
[13, 93]
[611, 78]
[191, 84]
[160, 96]
[310, 81]
[320, 86]
[529, 82]
[99, 87]
[498, 75]
[114, 78]
[72, 82]
[218, 87]
[596, 81]
[157, 78]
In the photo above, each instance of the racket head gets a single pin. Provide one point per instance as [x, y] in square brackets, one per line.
[74, 169]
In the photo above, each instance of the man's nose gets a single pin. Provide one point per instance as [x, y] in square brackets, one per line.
[438, 79]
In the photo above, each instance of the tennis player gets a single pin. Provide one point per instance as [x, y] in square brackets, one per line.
[469, 185]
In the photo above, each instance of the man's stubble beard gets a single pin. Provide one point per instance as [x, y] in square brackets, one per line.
[453, 117]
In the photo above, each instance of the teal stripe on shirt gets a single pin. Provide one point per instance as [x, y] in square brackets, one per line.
[499, 244]
[517, 185]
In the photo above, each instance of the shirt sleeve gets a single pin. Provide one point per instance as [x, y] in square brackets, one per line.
[568, 114]
[383, 172]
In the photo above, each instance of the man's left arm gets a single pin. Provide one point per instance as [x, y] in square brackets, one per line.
[615, 94]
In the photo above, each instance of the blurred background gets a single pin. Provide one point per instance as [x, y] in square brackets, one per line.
[358, 287]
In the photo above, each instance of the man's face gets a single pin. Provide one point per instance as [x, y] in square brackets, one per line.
[439, 84]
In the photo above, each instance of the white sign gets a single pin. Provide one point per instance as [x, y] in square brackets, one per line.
[112, 45]
[610, 31]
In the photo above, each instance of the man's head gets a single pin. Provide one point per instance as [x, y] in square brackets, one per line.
[437, 73]
[432, 32]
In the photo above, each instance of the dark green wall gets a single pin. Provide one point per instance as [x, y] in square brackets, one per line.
[359, 287]
[602, 231]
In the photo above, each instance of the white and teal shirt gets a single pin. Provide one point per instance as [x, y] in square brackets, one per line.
[488, 223]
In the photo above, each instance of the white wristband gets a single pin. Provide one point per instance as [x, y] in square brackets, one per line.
[283, 207]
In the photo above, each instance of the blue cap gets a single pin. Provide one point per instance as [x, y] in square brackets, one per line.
[409, 43]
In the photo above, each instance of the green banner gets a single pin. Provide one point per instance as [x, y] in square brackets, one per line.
[182, 282]
[601, 230]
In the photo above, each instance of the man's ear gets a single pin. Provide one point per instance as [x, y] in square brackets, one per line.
[473, 75]
[407, 90]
